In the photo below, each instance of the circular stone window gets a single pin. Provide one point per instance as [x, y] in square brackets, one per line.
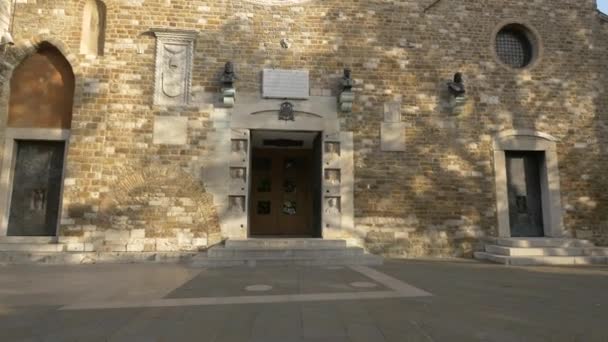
[516, 46]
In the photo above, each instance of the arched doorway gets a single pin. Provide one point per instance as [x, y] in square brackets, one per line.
[38, 126]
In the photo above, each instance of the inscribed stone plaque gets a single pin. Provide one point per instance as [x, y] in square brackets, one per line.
[392, 136]
[286, 84]
[170, 130]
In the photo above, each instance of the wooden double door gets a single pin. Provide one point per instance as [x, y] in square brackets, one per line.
[283, 193]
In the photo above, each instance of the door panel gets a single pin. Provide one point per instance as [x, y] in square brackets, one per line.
[35, 198]
[281, 192]
[525, 206]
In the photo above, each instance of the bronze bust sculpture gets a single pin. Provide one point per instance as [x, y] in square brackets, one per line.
[229, 76]
[347, 80]
[456, 86]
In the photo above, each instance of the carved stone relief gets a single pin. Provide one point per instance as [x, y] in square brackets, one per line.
[239, 147]
[332, 206]
[238, 177]
[332, 177]
[236, 205]
[332, 150]
[174, 54]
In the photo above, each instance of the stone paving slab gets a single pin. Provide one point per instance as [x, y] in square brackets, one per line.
[282, 279]
[470, 301]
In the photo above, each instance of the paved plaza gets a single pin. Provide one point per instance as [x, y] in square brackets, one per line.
[404, 300]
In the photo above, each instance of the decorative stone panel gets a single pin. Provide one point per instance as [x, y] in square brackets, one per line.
[173, 73]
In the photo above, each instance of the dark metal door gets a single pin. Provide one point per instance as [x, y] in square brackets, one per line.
[523, 181]
[36, 188]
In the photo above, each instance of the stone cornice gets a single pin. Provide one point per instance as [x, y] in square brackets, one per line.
[174, 34]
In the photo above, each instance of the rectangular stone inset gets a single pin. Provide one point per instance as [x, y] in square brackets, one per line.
[170, 130]
[286, 84]
[392, 112]
[392, 136]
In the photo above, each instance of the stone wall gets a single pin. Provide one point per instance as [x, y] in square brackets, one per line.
[435, 198]
[5, 15]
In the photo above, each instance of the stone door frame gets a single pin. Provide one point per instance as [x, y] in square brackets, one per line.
[7, 171]
[529, 140]
[252, 112]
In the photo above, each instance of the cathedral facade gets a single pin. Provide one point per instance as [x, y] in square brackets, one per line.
[410, 128]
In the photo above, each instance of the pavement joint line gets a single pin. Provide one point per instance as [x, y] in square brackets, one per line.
[390, 282]
[399, 290]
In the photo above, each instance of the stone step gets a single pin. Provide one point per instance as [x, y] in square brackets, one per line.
[543, 242]
[284, 243]
[69, 258]
[28, 239]
[546, 251]
[597, 251]
[279, 253]
[364, 260]
[31, 247]
[542, 260]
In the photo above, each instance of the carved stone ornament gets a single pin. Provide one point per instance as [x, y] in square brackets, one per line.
[286, 112]
[173, 72]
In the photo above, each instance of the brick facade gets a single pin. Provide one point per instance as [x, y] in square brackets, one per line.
[122, 192]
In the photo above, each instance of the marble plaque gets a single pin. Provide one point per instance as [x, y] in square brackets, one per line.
[173, 72]
[286, 84]
[170, 130]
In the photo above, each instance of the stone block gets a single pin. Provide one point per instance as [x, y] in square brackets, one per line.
[114, 247]
[167, 245]
[200, 242]
[74, 247]
[70, 239]
[138, 234]
[392, 137]
[170, 130]
[135, 247]
[117, 235]
[392, 112]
